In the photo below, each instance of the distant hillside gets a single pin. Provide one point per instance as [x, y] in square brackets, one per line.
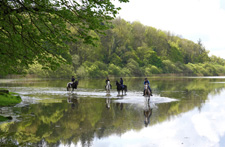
[132, 49]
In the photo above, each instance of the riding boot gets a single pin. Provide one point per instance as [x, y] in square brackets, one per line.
[144, 93]
[151, 92]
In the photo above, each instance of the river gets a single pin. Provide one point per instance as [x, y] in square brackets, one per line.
[183, 111]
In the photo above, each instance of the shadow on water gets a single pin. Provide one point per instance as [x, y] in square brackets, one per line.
[57, 117]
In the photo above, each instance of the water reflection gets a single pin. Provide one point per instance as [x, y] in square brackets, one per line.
[73, 100]
[147, 111]
[81, 118]
[107, 102]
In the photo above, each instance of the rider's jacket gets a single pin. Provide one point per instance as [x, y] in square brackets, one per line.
[147, 82]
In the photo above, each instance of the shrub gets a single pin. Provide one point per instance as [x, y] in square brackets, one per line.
[114, 70]
[125, 72]
[169, 67]
[82, 72]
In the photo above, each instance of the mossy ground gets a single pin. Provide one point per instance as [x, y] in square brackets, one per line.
[2, 118]
[8, 99]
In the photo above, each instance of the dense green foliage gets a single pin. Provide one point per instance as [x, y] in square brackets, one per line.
[132, 49]
[40, 30]
[37, 36]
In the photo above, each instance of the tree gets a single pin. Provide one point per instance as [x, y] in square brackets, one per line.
[152, 58]
[37, 30]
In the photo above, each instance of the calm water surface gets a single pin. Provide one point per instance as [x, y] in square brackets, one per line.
[183, 111]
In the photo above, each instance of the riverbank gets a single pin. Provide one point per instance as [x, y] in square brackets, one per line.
[8, 99]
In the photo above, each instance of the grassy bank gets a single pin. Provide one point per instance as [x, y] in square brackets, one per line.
[8, 99]
[2, 118]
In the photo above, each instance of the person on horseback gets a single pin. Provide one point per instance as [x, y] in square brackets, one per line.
[73, 79]
[147, 81]
[121, 82]
[106, 81]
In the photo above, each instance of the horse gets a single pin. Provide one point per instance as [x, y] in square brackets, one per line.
[71, 86]
[119, 87]
[107, 87]
[146, 90]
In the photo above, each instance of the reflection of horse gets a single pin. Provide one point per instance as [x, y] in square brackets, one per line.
[71, 86]
[108, 86]
[146, 90]
[107, 102]
[147, 112]
[119, 88]
[73, 101]
[119, 106]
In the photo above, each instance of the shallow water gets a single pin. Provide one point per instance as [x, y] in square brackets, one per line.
[183, 111]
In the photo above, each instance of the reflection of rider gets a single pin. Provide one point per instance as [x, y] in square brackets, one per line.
[147, 81]
[121, 82]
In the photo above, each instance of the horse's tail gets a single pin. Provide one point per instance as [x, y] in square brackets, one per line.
[68, 86]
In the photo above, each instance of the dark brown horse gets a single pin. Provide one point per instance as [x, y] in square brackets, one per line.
[119, 88]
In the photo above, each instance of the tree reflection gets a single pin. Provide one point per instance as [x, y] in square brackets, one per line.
[79, 120]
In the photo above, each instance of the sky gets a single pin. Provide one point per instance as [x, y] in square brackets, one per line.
[191, 19]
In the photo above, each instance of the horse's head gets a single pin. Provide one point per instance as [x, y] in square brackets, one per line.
[108, 83]
[74, 84]
[146, 85]
[117, 83]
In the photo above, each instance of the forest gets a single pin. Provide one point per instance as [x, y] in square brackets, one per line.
[132, 49]
[87, 40]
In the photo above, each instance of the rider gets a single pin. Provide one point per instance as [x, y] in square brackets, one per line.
[121, 82]
[107, 79]
[147, 81]
[73, 79]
